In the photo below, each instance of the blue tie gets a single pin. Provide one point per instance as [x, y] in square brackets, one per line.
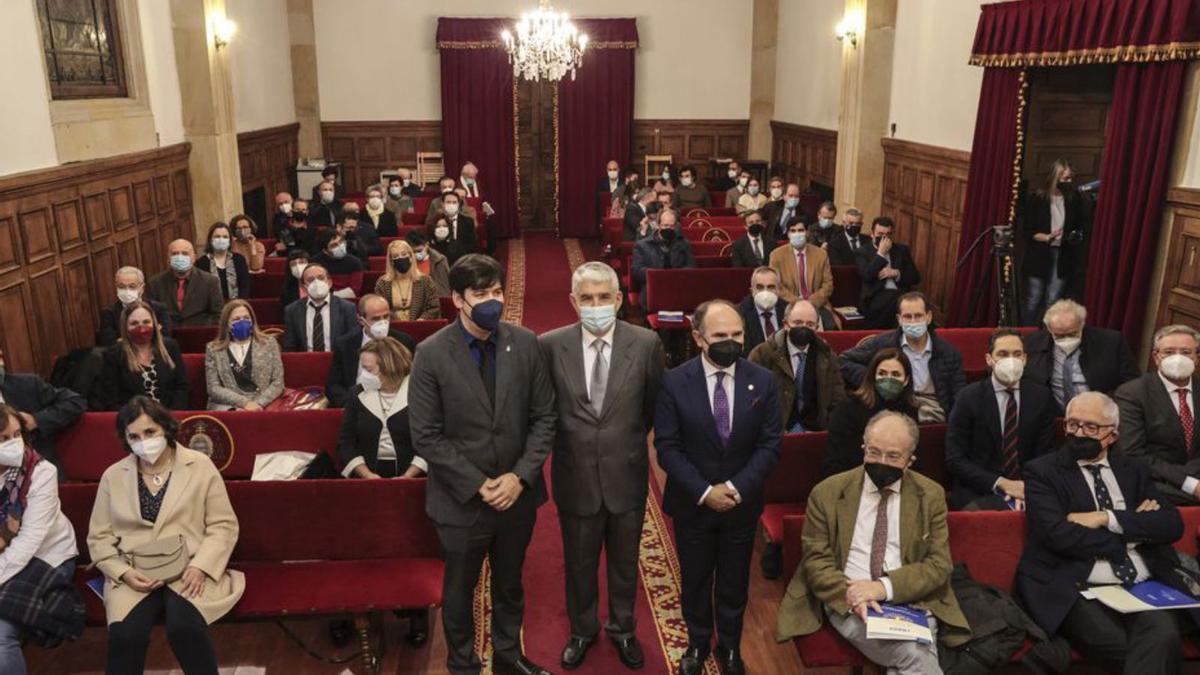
[801, 364]
[1068, 375]
[1122, 565]
[721, 408]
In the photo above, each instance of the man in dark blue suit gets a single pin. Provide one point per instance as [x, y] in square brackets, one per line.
[1094, 519]
[717, 433]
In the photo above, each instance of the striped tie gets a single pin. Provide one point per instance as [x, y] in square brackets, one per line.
[880, 535]
[1012, 464]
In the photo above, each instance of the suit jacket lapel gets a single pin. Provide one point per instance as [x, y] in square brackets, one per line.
[181, 474]
[462, 356]
[699, 392]
[993, 412]
[910, 518]
[571, 352]
[1165, 403]
[847, 514]
[618, 365]
[504, 365]
[743, 395]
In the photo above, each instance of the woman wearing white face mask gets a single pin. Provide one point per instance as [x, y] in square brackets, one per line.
[411, 294]
[199, 516]
[230, 268]
[37, 547]
[753, 200]
[379, 216]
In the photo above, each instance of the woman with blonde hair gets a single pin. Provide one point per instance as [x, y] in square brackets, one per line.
[141, 362]
[411, 295]
[242, 365]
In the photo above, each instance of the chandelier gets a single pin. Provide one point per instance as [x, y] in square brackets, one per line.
[546, 45]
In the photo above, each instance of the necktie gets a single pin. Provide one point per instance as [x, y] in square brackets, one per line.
[487, 369]
[599, 378]
[801, 365]
[880, 536]
[179, 292]
[1012, 464]
[768, 324]
[1122, 566]
[757, 249]
[1068, 375]
[1185, 418]
[721, 408]
[783, 222]
[802, 275]
[318, 328]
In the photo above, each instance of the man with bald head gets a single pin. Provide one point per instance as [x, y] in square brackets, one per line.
[608, 187]
[374, 317]
[314, 323]
[805, 368]
[283, 213]
[191, 296]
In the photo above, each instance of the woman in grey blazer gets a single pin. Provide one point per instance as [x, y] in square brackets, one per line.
[242, 365]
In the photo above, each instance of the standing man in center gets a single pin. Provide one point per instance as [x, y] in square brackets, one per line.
[717, 431]
[481, 407]
[606, 375]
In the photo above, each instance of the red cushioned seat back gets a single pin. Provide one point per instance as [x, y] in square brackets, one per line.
[614, 230]
[793, 530]
[972, 344]
[799, 467]
[352, 281]
[193, 365]
[846, 286]
[306, 369]
[267, 311]
[421, 204]
[376, 263]
[732, 233]
[711, 248]
[194, 339]
[269, 284]
[714, 221]
[843, 340]
[412, 218]
[76, 500]
[989, 542]
[717, 198]
[706, 262]
[1191, 529]
[449, 311]
[419, 330]
[273, 264]
[684, 290]
[931, 454]
[370, 278]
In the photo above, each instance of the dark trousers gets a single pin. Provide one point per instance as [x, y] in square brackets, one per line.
[1141, 643]
[187, 634]
[879, 310]
[720, 545]
[620, 535]
[502, 537]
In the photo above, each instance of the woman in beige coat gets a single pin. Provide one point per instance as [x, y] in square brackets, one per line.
[160, 492]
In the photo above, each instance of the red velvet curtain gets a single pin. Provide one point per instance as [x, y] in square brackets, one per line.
[478, 122]
[989, 195]
[595, 121]
[1137, 156]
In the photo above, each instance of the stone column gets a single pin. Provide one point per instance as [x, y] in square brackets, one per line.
[866, 102]
[762, 77]
[208, 122]
[304, 76]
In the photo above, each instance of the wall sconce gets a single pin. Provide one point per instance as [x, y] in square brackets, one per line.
[223, 30]
[846, 30]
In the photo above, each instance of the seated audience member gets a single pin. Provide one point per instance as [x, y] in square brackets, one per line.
[825, 229]
[292, 290]
[754, 249]
[665, 181]
[328, 175]
[848, 240]
[887, 272]
[762, 309]
[409, 187]
[131, 284]
[379, 219]
[282, 216]
[141, 363]
[1071, 357]
[468, 179]
[314, 322]
[938, 375]
[626, 194]
[335, 255]
[663, 203]
[242, 365]
[44, 409]
[374, 317]
[886, 385]
[445, 185]
[804, 271]
[297, 235]
[690, 194]
[775, 189]
[430, 261]
[1095, 518]
[328, 207]
[397, 202]
[728, 179]
[998, 425]
[779, 215]
[362, 240]
[39, 555]
[897, 551]
[753, 200]
[637, 216]
[1158, 415]
[246, 244]
[806, 369]
[453, 233]
[411, 295]
[609, 188]
[733, 194]
[465, 209]
[192, 296]
[231, 269]
[665, 250]
[201, 515]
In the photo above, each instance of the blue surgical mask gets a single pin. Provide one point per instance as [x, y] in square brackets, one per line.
[487, 314]
[181, 263]
[597, 320]
[220, 243]
[792, 202]
[825, 223]
[797, 239]
[241, 329]
[915, 331]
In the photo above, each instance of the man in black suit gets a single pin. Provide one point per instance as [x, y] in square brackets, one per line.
[361, 238]
[481, 406]
[848, 240]
[998, 425]
[665, 250]
[131, 284]
[637, 216]
[717, 431]
[753, 250]
[1071, 357]
[328, 175]
[1158, 415]
[315, 323]
[729, 179]
[1095, 518]
[282, 215]
[762, 309]
[192, 296]
[374, 316]
[608, 188]
[779, 215]
[887, 272]
[453, 233]
[45, 410]
[328, 206]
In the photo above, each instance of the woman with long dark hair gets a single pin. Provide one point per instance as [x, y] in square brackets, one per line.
[887, 385]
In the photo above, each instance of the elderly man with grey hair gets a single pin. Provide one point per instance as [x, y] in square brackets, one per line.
[131, 287]
[1158, 415]
[1072, 357]
[606, 375]
[637, 215]
[1095, 518]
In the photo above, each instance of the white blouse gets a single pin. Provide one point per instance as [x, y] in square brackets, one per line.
[45, 532]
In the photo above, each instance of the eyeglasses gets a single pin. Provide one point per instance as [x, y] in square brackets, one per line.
[871, 452]
[804, 324]
[1088, 428]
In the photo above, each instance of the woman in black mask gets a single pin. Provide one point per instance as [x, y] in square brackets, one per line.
[411, 295]
[887, 386]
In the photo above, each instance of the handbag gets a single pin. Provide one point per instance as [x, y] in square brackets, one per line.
[308, 398]
[162, 559]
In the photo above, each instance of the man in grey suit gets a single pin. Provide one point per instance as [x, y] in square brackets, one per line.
[481, 407]
[606, 375]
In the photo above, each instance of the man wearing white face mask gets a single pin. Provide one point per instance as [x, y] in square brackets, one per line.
[1158, 415]
[408, 186]
[606, 374]
[373, 318]
[314, 323]
[1071, 357]
[733, 194]
[454, 233]
[131, 284]
[608, 188]
[328, 206]
[689, 194]
[997, 426]
[762, 309]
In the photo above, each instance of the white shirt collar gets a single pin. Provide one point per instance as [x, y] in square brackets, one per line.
[1000, 386]
[793, 350]
[366, 338]
[711, 370]
[1172, 387]
[869, 485]
[1084, 464]
[909, 348]
[589, 338]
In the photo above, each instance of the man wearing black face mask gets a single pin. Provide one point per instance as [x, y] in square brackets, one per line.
[1096, 518]
[848, 239]
[805, 368]
[897, 551]
[481, 408]
[717, 432]
[666, 250]
[753, 250]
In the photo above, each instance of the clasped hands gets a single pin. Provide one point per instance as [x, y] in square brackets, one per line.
[863, 595]
[193, 582]
[1095, 520]
[502, 492]
[721, 498]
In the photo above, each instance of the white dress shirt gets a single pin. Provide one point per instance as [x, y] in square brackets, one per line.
[890, 283]
[1189, 483]
[45, 532]
[858, 559]
[710, 383]
[309, 313]
[1002, 405]
[1102, 572]
[589, 353]
[239, 351]
[919, 361]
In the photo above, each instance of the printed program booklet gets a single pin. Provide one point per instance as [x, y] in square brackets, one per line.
[1144, 597]
[899, 622]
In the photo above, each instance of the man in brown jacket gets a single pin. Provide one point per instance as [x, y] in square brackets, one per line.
[805, 367]
[804, 271]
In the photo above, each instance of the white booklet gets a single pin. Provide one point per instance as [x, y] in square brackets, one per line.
[899, 622]
[1144, 597]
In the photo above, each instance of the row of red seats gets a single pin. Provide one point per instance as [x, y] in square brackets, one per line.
[193, 339]
[277, 265]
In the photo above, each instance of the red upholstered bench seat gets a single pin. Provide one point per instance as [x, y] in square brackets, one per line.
[339, 586]
[194, 339]
[773, 516]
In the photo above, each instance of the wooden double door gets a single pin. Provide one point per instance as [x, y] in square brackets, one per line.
[536, 136]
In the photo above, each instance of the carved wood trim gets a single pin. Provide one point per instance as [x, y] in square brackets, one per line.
[268, 157]
[689, 141]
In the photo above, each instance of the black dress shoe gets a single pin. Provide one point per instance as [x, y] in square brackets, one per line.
[418, 629]
[630, 652]
[730, 662]
[772, 561]
[692, 662]
[575, 651]
[522, 666]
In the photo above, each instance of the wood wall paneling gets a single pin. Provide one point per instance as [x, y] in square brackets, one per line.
[924, 192]
[1180, 300]
[688, 141]
[63, 233]
[267, 158]
[802, 154]
[366, 149]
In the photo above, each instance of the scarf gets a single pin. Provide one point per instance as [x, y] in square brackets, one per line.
[14, 493]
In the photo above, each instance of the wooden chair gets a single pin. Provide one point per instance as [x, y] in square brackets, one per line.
[658, 161]
[431, 166]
